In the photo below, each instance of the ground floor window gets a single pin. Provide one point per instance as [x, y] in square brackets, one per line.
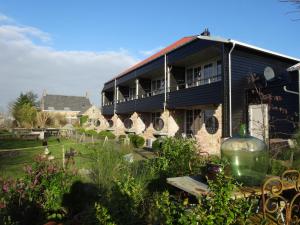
[157, 122]
[192, 121]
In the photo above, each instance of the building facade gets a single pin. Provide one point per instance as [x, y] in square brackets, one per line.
[67, 106]
[198, 87]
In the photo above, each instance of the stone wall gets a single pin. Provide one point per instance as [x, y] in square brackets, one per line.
[210, 143]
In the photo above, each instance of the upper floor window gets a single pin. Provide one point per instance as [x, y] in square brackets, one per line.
[208, 71]
[50, 108]
[193, 75]
[157, 86]
[132, 93]
[203, 74]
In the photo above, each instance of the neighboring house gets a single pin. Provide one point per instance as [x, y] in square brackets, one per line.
[68, 106]
[198, 87]
[95, 119]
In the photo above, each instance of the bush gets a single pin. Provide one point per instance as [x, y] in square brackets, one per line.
[157, 144]
[137, 141]
[83, 120]
[37, 197]
[91, 133]
[106, 133]
[121, 138]
[179, 157]
[80, 130]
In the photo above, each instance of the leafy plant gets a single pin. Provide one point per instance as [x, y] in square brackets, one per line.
[102, 215]
[83, 119]
[179, 157]
[157, 144]
[36, 197]
[137, 141]
[91, 133]
[106, 133]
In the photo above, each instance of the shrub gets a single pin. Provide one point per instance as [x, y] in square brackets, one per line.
[102, 215]
[91, 133]
[80, 130]
[137, 141]
[83, 119]
[157, 144]
[121, 138]
[179, 157]
[127, 200]
[37, 197]
[106, 133]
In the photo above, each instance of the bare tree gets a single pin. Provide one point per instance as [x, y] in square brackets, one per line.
[42, 119]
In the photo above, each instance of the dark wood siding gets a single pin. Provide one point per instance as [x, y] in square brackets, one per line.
[108, 110]
[153, 65]
[150, 104]
[126, 107]
[244, 63]
[189, 49]
[225, 91]
[108, 85]
[204, 94]
[127, 77]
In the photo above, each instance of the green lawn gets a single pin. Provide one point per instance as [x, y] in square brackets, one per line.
[12, 162]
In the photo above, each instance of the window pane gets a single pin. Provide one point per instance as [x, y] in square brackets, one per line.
[189, 76]
[197, 73]
[208, 71]
[219, 67]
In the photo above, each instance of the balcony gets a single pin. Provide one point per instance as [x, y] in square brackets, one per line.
[201, 92]
[108, 109]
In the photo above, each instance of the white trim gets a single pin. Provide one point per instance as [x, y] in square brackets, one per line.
[229, 87]
[223, 40]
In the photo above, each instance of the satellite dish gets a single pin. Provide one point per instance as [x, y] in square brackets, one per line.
[269, 73]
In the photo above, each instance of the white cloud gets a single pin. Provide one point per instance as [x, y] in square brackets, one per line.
[151, 51]
[26, 65]
[4, 18]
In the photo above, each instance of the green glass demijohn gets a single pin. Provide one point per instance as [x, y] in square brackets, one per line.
[248, 158]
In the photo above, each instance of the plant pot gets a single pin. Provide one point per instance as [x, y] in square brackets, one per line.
[212, 170]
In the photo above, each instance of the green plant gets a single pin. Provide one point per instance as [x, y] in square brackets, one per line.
[127, 200]
[102, 215]
[91, 133]
[179, 157]
[106, 133]
[36, 197]
[121, 138]
[83, 119]
[137, 141]
[157, 144]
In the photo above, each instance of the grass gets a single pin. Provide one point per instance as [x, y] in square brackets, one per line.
[12, 162]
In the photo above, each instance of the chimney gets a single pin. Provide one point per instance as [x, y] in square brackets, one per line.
[44, 92]
[86, 94]
[205, 32]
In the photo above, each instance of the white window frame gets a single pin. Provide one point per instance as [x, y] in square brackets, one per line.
[196, 82]
[194, 117]
[161, 89]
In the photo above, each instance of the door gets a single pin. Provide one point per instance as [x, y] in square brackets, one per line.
[259, 121]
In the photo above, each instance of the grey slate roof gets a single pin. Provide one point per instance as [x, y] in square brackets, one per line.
[63, 102]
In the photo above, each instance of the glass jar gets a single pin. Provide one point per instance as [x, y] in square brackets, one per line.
[248, 158]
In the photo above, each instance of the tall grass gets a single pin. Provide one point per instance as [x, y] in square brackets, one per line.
[108, 164]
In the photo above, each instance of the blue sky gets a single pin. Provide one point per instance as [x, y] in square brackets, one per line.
[145, 25]
[127, 31]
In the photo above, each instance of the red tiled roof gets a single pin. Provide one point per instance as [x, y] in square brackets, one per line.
[169, 48]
